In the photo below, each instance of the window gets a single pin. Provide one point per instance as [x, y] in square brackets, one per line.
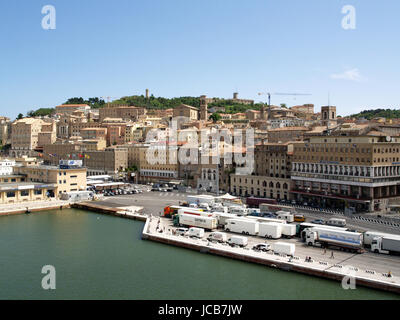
[10, 194]
[24, 193]
[37, 192]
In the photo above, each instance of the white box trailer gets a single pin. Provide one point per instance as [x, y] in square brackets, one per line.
[370, 235]
[288, 230]
[244, 226]
[208, 223]
[284, 248]
[202, 198]
[270, 230]
[262, 219]
[352, 241]
[195, 212]
[389, 244]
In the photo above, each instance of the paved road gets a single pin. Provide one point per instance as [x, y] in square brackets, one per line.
[154, 203]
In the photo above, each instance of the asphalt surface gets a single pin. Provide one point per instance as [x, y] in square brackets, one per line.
[154, 203]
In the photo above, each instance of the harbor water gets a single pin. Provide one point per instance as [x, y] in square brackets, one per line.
[102, 257]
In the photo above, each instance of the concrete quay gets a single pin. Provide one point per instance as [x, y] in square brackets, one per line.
[156, 229]
[34, 206]
[128, 212]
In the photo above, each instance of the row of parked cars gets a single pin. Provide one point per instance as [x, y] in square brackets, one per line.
[238, 241]
[116, 192]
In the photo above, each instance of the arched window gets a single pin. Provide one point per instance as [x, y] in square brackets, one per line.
[285, 186]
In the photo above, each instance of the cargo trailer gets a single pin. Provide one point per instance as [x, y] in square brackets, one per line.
[270, 230]
[389, 244]
[284, 248]
[244, 226]
[189, 220]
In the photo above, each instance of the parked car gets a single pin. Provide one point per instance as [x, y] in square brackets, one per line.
[181, 231]
[262, 247]
[318, 221]
[299, 218]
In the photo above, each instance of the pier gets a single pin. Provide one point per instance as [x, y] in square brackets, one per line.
[155, 230]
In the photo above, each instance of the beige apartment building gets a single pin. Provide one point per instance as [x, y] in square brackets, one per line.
[158, 163]
[110, 161]
[38, 182]
[123, 112]
[286, 134]
[186, 111]
[271, 179]
[68, 109]
[341, 171]
[25, 136]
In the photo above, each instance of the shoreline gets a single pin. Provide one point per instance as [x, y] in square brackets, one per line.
[333, 272]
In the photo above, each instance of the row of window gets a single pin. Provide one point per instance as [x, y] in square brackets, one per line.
[23, 193]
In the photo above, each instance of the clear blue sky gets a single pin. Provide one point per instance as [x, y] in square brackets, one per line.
[193, 47]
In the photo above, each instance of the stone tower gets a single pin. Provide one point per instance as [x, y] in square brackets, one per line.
[328, 116]
[203, 108]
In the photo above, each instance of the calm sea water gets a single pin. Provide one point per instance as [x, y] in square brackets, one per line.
[101, 257]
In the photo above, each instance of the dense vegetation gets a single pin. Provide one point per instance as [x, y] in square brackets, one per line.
[40, 112]
[152, 103]
[384, 113]
[95, 103]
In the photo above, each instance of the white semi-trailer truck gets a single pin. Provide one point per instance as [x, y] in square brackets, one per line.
[190, 220]
[244, 226]
[344, 240]
[270, 230]
[387, 244]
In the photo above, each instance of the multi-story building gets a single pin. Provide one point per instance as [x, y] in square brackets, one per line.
[25, 135]
[6, 167]
[186, 111]
[5, 130]
[286, 134]
[343, 170]
[123, 112]
[271, 177]
[68, 109]
[159, 163]
[110, 161]
[39, 182]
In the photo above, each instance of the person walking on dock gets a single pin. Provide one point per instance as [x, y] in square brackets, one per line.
[324, 251]
[332, 256]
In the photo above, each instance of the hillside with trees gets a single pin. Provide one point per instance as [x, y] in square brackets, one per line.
[377, 113]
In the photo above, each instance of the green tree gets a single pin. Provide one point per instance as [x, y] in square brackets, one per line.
[20, 116]
[215, 117]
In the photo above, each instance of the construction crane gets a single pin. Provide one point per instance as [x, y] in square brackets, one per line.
[279, 94]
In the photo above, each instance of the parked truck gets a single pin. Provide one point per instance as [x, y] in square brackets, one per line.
[253, 202]
[285, 215]
[273, 208]
[195, 212]
[388, 244]
[370, 235]
[270, 230]
[343, 240]
[237, 241]
[244, 226]
[189, 220]
[196, 233]
[197, 199]
[170, 211]
[284, 248]
[223, 217]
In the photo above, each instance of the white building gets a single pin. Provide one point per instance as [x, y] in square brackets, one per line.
[6, 167]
